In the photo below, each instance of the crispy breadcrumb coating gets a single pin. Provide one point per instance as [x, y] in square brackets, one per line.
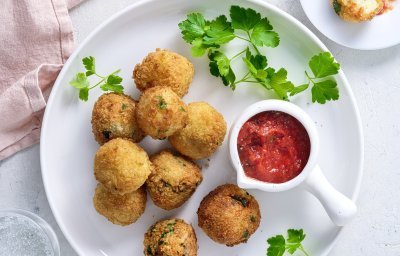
[203, 134]
[229, 215]
[164, 68]
[121, 166]
[113, 116]
[173, 180]
[171, 237]
[120, 209]
[160, 112]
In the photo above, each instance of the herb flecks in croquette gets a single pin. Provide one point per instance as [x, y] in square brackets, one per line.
[253, 218]
[166, 184]
[168, 231]
[182, 109]
[161, 103]
[241, 200]
[246, 234]
[124, 106]
[106, 135]
[149, 251]
[336, 6]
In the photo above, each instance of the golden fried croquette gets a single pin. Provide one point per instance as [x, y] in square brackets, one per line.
[121, 166]
[113, 116]
[229, 215]
[173, 180]
[203, 134]
[357, 10]
[120, 209]
[172, 237]
[160, 112]
[164, 68]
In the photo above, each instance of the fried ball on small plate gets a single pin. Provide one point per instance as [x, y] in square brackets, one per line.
[203, 134]
[357, 10]
[172, 237]
[120, 209]
[121, 166]
[173, 180]
[113, 116]
[160, 112]
[164, 68]
[229, 215]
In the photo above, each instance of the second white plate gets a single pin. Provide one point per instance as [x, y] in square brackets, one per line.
[381, 32]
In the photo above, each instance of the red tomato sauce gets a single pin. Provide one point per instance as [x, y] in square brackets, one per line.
[273, 147]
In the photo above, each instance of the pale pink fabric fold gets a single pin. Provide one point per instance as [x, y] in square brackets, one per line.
[36, 38]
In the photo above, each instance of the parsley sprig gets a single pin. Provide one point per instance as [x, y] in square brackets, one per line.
[323, 65]
[278, 245]
[111, 82]
[207, 36]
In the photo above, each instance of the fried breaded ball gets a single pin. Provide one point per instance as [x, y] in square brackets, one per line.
[164, 68]
[160, 112]
[113, 116]
[121, 166]
[172, 237]
[357, 10]
[229, 215]
[173, 180]
[120, 209]
[203, 134]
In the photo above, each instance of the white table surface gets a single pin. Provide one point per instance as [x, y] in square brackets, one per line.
[375, 79]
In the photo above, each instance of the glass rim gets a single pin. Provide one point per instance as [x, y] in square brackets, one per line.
[46, 228]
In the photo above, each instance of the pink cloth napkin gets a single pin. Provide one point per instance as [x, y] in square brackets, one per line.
[36, 38]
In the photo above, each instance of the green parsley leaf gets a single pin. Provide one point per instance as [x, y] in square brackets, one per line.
[323, 65]
[114, 79]
[80, 81]
[263, 35]
[276, 246]
[298, 89]
[244, 19]
[258, 61]
[280, 84]
[295, 237]
[220, 67]
[325, 90]
[89, 63]
[112, 87]
[84, 93]
[222, 61]
[198, 48]
[256, 65]
[193, 27]
[113, 84]
[250, 66]
[219, 32]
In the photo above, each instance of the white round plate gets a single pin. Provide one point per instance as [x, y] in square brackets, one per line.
[68, 147]
[380, 32]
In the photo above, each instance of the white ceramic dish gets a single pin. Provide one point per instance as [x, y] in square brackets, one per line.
[379, 33]
[68, 147]
[340, 208]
